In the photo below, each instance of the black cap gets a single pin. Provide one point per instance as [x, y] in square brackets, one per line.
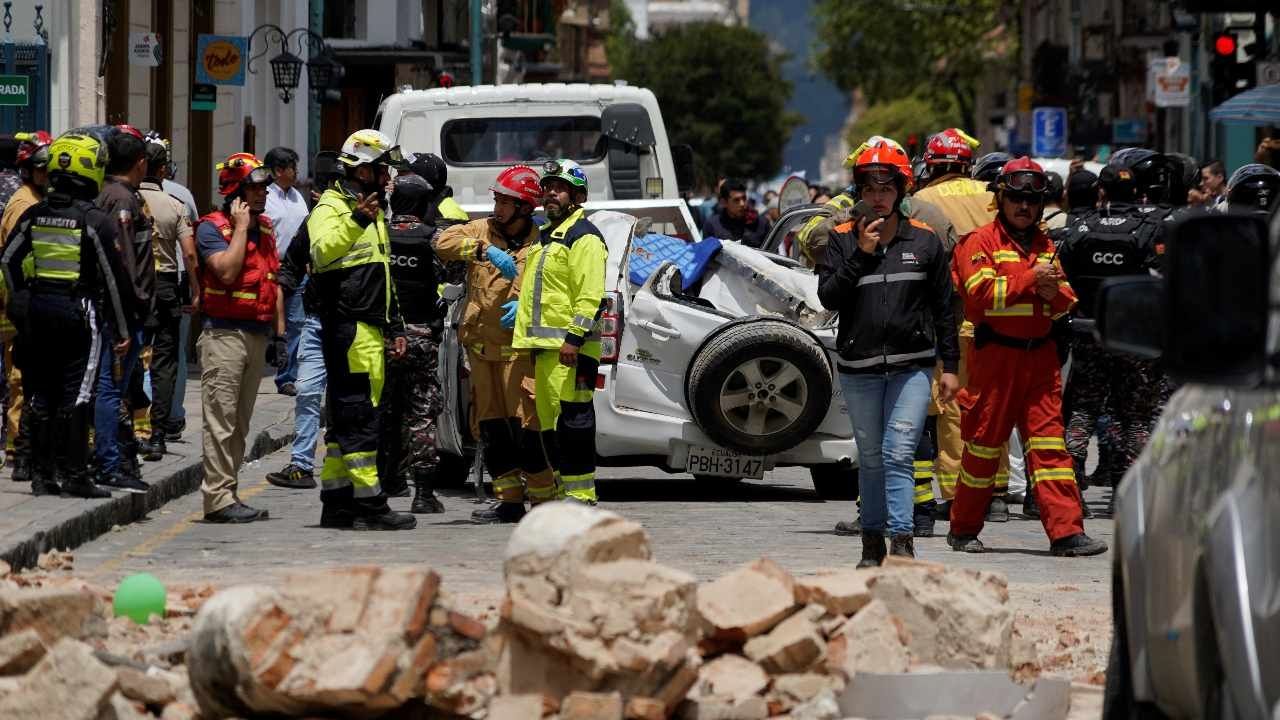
[431, 168]
[1082, 189]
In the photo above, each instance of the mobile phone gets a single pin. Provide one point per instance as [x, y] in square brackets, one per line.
[861, 210]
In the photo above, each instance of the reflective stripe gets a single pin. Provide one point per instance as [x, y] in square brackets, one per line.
[215, 291]
[55, 253]
[923, 493]
[589, 483]
[1047, 443]
[974, 279]
[1019, 310]
[544, 332]
[244, 295]
[535, 320]
[360, 460]
[982, 451]
[1055, 474]
[886, 359]
[583, 322]
[1002, 293]
[923, 469]
[364, 491]
[1059, 316]
[973, 482]
[891, 278]
[506, 482]
[1005, 256]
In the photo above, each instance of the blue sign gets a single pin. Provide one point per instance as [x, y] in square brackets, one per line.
[1128, 131]
[1049, 132]
[220, 59]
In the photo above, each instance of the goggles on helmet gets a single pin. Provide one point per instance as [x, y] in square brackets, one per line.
[1026, 182]
[878, 174]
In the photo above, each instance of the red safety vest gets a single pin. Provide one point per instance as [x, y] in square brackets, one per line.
[253, 294]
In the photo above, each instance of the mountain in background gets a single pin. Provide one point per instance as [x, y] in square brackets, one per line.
[789, 25]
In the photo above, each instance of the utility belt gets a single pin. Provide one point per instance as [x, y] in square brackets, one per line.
[983, 334]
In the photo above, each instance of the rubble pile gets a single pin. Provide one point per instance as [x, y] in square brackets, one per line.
[591, 627]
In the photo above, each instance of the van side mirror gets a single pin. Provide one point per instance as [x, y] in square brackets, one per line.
[1217, 300]
[682, 157]
[1130, 315]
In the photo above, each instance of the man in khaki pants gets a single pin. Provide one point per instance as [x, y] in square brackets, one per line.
[243, 313]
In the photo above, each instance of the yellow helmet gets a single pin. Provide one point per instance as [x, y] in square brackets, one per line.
[370, 146]
[79, 154]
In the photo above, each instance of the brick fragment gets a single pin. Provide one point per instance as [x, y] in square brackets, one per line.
[146, 689]
[793, 646]
[869, 642]
[644, 708]
[399, 602]
[591, 706]
[841, 591]
[748, 601]
[53, 612]
[68, 678]
[516, 707]
[342, 591]
[20, 651]
[732, 676]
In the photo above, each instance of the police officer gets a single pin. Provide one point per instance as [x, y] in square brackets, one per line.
[75, 284]
[560, 294]
[350, 265]
[1253, 188]
[412, 392]
[1121, 238]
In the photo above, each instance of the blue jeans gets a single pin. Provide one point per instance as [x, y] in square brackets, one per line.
[310, 384]
[106, 412]
[294, 318]
[180, 385]
[888, 413]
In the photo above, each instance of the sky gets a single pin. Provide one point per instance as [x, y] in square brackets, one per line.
[789, 24]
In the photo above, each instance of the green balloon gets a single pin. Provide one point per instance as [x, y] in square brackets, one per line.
[139, 597]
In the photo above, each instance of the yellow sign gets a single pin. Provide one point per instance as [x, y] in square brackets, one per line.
[221, 60]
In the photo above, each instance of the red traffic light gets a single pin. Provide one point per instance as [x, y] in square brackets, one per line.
[1224, 45]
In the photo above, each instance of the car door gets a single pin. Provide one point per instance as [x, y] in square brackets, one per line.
[782, 236]
[452, 424]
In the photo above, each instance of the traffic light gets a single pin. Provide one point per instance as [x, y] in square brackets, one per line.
[1230, 74]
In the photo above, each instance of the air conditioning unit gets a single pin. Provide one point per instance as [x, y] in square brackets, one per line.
[1269, 73]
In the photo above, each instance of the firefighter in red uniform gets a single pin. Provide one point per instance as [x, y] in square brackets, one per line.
[1013, 290]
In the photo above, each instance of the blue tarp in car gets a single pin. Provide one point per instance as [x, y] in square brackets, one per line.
[650, 251]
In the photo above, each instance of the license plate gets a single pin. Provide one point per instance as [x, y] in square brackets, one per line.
[719, 462]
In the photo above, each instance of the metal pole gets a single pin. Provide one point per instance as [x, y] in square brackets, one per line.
[315, 20]
[477, 40]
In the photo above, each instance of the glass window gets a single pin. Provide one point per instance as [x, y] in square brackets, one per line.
[503, 141]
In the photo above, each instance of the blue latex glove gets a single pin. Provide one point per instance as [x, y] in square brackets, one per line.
[509, 317]
[504, 262]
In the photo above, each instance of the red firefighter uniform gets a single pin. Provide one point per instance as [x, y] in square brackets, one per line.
[1014, 379]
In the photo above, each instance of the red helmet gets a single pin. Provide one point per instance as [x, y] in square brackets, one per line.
[1022, 175]
[127, 128]
[240, 168]
[884, 161]
[952, 145]
[519, 182]
[33, 147]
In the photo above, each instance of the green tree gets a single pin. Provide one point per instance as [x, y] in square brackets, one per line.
[901, 118]
[898, 48]
[721, 91]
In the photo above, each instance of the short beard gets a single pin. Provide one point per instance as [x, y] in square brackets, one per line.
[555, 214]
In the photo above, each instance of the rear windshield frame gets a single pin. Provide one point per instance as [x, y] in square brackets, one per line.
[599, 152]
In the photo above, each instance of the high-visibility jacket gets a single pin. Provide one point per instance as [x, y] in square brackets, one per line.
[997, 280]
[481, 330]
[830, 208]
[252, 295]
[351, 263]
[562, 285]
[966, 202]
[449, 209]
[21, 201]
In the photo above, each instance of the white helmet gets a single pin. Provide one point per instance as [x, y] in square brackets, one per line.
[366, 147]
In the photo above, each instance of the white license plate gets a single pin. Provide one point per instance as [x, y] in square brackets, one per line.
[719, 462]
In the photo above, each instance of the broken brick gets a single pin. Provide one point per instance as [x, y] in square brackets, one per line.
[516, 707]
[69, 675]
[343, 592]
[732, 676]
[869, 642]
[146, 689]
[20, 651]
[53, 612]
[399, 602]
[842, 591]
[794, 645]
[591, 706]
[644, 708]
[749, 600]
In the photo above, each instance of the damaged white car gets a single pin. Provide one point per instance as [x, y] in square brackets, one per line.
[725, 374]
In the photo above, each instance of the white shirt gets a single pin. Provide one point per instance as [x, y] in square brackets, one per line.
[287, 210]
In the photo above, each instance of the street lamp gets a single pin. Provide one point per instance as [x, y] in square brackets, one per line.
[323, 70]
[286, 70]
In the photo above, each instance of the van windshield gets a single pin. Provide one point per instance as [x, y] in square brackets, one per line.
[503, 141]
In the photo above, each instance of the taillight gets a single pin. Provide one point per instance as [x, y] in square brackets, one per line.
[610, 327]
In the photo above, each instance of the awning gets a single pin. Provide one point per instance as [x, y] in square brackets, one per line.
[1259, 106]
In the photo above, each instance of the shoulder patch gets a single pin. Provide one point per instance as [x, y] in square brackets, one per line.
[844, 227]
[921, 224]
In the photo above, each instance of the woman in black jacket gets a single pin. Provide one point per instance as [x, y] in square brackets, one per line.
[889, 278]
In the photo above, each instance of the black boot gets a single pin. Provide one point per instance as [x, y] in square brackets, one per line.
[499, 513]
[873, 550]
[1029, 507]
[21, 473]
[153, 449]
[923, 519]
[394, 485]
[425, 501]
[72, 433]
[1078, 545]
[389, 520]
[903, 545]
[43, 450]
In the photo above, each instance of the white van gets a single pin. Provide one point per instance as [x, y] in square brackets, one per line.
[614, 131]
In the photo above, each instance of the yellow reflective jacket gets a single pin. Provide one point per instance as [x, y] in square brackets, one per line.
[830, 209]
[350, 264]
[562, 285]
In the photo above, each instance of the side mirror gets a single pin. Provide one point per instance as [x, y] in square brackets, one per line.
[1218, 298]
[686, 178]
[1130, 315]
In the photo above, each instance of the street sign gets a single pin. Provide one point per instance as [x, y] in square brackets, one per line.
[1049, 132]
[220, 59]
[144, 49]
[204, 97]
[1170, 82]
[15, 90]
[794, 193]
[1128, 131]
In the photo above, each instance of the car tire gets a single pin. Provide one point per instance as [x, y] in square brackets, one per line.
[454, 471]
[732, 399]
[1118, 702]
[835, 481]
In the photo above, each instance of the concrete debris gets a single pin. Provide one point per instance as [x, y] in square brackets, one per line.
[841, 591]
[591, 706]
[870, 641]
[69, 678]
[957, 619]
[150, 690]
[120, 707]
[748, 601]
[20, 651]
[56, 560]
[718, 707]
[53, 612]
[349, 641]
[795, 645]
[515, 707]
[731, 675]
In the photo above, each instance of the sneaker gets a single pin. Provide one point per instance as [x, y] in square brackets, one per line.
[965, 543]
[923, 521]
[235, 514]
[152, 450]
[125, 482]
[389, 520]
[84, 489]
[903, 545]
[847, 527]
[289, 389]
[998, 510]
[499, 513]
[335, 516]
[1078, 545]
[293, 477]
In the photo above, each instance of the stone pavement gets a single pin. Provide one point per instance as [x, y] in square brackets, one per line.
[31, 525]
[700, 528]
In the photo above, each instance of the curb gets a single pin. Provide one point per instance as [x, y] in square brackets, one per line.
[98, 519]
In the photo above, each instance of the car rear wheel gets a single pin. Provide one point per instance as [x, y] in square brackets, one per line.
[835, 481]
[760, 386]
